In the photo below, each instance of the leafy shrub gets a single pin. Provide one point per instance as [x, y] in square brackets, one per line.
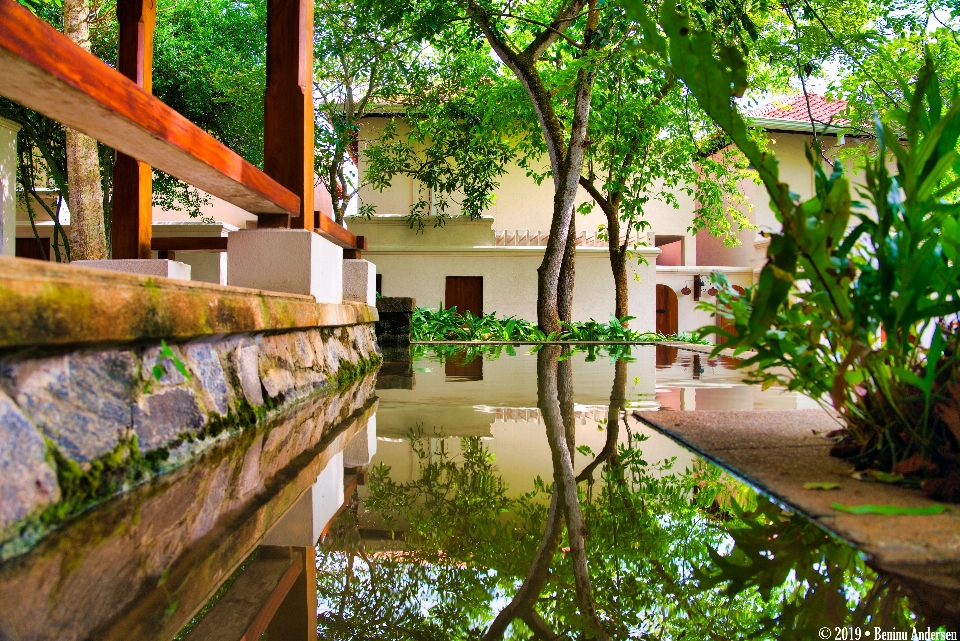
[855, 306]
[448, 324]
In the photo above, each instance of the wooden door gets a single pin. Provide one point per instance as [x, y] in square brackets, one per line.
[465, 293]
[459, 369]
[666, 311]
[28, 248]
[727, 323]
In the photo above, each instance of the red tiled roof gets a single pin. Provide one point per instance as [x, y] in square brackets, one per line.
[795, 108]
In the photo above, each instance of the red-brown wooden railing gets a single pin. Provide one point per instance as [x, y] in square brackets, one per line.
[43, 70]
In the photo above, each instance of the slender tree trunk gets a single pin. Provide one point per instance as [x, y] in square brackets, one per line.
[565, 152]
[615, 411]
[523, 602]
[88, 239]
[567, 274]
[561, 243]
[618, 261]
[555, 399]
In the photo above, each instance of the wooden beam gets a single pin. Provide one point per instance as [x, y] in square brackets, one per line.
[296, 618]
[132, 205]
[336, 234]
[250, 603]
[288, 105]
[190, 244]
[43, 70]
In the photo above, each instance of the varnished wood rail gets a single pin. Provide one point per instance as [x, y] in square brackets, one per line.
[190, 243]
[337, 234]
[43, 70]
[334, 233]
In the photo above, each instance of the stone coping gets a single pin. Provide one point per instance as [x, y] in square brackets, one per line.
[779, 450]
[49, 304]
[396, 304]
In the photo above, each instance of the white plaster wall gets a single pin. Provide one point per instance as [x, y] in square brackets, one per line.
[8, 186]
[219, 210]
[208, 267]
[390, 231]
[689, 318]
[510, 280]
[520, 203]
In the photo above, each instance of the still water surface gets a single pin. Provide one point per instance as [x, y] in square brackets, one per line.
[512, 493]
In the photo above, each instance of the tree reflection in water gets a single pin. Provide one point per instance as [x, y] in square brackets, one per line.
[650, 552]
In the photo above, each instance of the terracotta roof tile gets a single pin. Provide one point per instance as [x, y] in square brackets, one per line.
[823, 110]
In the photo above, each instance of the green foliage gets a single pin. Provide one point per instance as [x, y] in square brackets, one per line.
[889, 510]
[691, 554]
[359, 62]
[448, 324]
[208, 65]
[854, 301]
[166, 352]
[454, 137]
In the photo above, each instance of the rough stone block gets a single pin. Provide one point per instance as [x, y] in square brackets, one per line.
[204, 362]
[360, 451]
[143, 266]
[304, 350]
[247, 359]
[27, 480]
[295, 261]
[396, 304]
[360, 281]
[160, 418]
[81, 402]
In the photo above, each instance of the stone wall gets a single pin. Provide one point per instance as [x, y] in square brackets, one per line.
[189, 529]
[77, 426]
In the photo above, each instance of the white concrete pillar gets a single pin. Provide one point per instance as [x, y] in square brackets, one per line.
[303, 524]
[292, 261]
[143, 266]
[360, 281]
[360, 451]
[8, 187]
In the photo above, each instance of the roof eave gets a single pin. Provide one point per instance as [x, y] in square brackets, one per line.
[783, 124]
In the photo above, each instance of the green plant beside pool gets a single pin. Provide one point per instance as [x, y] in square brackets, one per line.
[450, 325]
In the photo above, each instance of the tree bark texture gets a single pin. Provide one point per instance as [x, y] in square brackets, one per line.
[568, 274]
[610, 205]
[88, 240]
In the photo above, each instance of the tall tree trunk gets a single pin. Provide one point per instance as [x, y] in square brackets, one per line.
[565, 152]
[561, 243]
[555, 400]
[567, 274]
[618, 259]
[88, 238]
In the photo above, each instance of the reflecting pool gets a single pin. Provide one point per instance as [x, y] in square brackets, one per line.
[511, 496]
[503, 492]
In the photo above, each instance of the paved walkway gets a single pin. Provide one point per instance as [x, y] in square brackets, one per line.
[779, 451]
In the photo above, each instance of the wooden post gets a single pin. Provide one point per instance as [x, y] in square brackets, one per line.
[131, 229]
[296, 618]
[288, 107]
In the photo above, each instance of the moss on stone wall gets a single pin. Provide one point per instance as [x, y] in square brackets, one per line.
[83, 486]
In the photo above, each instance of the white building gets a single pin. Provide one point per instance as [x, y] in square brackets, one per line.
[490, 265]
